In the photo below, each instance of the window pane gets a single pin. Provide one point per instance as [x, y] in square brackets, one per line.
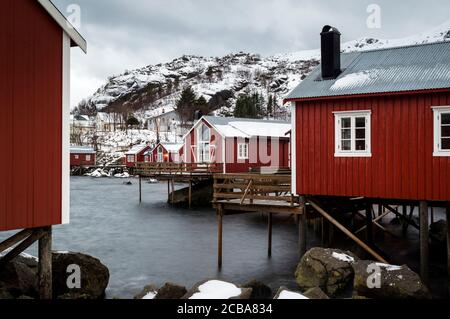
[346, 134]
[346, 122]
[445, 131]
[346, 145]
[361, 145]
[361, 133]
[446, 143]
[360, 122]
[445, 118]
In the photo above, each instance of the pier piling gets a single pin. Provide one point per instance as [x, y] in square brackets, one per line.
[424, 236]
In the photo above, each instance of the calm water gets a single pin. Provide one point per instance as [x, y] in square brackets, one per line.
[153, 243]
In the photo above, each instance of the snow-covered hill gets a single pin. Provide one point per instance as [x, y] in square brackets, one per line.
[221, 80]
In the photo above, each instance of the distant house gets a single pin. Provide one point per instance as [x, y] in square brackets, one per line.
[166, 153]
[81, 124]
[108, 122]
[240, 144]
[136, 155]
[164, 122]
[82, 156]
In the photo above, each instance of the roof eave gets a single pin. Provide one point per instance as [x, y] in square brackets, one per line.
[75, 36]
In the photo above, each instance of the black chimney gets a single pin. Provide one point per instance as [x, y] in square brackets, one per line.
[331, 52]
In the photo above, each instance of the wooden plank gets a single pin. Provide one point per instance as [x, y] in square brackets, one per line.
[269, 243]
[36, 234]
[424, 237]
[45, 264]
[246, 191]
[302, 228]
[369, 224]
[11, 241]
[346, 231]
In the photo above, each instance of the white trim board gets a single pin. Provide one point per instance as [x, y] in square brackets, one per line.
[437, 113]
[293, 149]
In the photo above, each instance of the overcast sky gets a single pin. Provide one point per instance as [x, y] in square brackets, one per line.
[127, 34]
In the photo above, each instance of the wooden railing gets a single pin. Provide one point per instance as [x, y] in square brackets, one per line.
[249, 188]
[155, 169]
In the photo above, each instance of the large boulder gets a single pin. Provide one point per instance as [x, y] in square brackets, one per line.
[259, 289]
[315, 293]
[171, 291]
[329, 269]
[387, 281]
[439, 231]
[149, 292]
[217, 289]
[94, 276]
[18, 279]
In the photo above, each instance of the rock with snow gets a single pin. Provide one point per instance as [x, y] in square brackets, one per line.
[315, 293]
[171, 291]
[329, 269]
[284, 293]
[381, 281]
[94, 275]
[149, 292]
[259, 289]
[217, 289]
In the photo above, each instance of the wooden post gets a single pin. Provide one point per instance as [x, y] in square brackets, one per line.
[140, 189]
[220, 233]
[269, 248]
[168, 190]
[405, 221]
[448, 245]
[369, 224]
[424, 253]
[302, 227]
[190, 193]
[173, 191]
[15, 239]
[45, 264]
[325, 232]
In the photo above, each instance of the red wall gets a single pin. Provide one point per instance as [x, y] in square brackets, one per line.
[139, 158]
[81, 161]
[30, 116]
[168, 158]
[402, 165]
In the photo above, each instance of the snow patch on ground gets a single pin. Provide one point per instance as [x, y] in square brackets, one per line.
[216, 289]
[286, 294]
[389, 267]
[150, 295]
[343, 257]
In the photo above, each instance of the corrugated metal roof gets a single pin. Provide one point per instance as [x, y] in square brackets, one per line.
[82, 150]
[411, 68]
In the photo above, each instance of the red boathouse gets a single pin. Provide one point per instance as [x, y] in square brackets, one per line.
[35, 113]
[240, 144]
[136, 155]
[82, 156]
[165, 153]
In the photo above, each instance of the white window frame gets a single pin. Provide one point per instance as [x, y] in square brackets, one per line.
[77, 157]
[438, 111]
[204, 147]
[367, 114]
[243, 151]
[131, 159]
[88, 157]
[160, 155]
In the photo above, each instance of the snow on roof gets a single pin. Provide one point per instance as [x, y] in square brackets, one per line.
[136, 149]
[75, 36]
[82, 150]
[400, 69]
[248, 128]
[216, 289]
[172, 147]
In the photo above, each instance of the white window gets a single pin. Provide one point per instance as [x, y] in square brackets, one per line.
[88, 157]
[77, 157]
[243, 151]
[130, 159]
[441, 131]
[160, 158]
[204, 148]
[352, 134]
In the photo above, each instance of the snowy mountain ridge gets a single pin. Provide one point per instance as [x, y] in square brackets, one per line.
[154, 88]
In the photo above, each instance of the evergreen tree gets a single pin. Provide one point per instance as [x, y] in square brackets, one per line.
[270, 106]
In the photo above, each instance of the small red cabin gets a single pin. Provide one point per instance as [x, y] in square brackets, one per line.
[136, 155]
[165, 153]
[376, 127]
[240, 144]
[82, 156]
[35, 113]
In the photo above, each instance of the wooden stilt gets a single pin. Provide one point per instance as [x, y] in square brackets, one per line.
[405, 221]
[36, 234]
[15, 239]
[190, 194]
[220, 233]
[168, 190]
[45, 264]
[325, 232]
[269, 244]
[448, 245]
[424, 253]
[173, 191]
[302, 227]
[140, 189]
[369, 224]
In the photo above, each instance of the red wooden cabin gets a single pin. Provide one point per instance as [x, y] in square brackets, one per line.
[166, 153]
[239, 144]
[35, 113]
[378, 126]
[136, 155]
[82, 156]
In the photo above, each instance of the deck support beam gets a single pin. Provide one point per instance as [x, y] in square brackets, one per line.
[302, 227]
[190, 194]
[140, 189]
[424, 237]
[220, 234]
[369, 224]
[45, 264]
[448, 244]
[269, 240]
